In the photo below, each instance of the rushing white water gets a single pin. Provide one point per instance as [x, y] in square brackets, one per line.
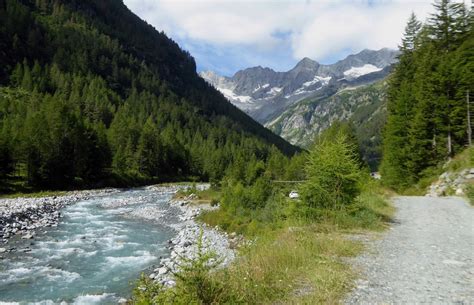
[94, 255]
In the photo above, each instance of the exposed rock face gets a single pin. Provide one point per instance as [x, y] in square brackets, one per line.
[265, 94]
[301, 122]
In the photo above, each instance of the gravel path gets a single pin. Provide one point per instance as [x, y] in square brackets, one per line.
[427, 257]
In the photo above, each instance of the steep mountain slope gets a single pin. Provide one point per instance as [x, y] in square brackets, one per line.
[266, 94]
[104, 93]
[364, 106]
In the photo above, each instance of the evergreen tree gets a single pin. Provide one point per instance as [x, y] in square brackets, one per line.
[412, 29]
[149, 150]
[426, 97]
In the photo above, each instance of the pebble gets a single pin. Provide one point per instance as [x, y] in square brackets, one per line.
[184, 244]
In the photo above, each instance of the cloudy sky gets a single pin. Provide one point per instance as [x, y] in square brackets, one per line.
[228, 35]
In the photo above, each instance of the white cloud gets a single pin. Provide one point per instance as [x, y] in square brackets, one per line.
[316, 28]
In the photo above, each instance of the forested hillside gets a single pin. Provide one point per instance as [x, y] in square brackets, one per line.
[362, 106]
[90, 95]
[427, 95]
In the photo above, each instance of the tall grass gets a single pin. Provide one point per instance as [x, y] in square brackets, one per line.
[291, 260]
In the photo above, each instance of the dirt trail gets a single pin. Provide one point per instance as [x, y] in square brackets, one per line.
[427, 256]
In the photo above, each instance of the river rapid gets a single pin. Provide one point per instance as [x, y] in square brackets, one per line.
[95, 253]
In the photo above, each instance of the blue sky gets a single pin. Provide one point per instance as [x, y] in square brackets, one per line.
[228, 35]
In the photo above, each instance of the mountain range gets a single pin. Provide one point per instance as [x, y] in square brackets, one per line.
[265, 94]
[300, 103]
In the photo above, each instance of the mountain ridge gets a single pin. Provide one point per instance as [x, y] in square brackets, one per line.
[264, 93]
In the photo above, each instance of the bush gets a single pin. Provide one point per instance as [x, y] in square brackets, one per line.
[333, 173]
[195, 283]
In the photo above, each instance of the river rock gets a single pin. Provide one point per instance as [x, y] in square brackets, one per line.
[27, 236]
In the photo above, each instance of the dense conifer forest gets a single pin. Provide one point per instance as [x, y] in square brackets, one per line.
[427, 95]
[91, 95]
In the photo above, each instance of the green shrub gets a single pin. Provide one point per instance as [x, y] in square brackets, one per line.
[333, 173]
[195, 283]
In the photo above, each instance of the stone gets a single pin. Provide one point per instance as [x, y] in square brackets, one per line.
[3, 250]
[162, 271]
[459, 192]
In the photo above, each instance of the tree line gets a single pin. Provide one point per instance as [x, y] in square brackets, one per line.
[90, 95]
[427, 107]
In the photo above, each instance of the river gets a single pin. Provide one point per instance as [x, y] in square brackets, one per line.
[99, 248]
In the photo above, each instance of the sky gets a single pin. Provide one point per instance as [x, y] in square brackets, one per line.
[228, 35]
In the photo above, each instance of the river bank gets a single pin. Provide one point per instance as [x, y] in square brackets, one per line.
[22, 216]
[184, 245]
[95, 244]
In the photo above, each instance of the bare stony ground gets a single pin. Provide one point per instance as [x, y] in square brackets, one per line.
[427, 256]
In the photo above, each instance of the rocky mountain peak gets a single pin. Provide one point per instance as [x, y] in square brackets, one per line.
[306, 64]
[265, 93]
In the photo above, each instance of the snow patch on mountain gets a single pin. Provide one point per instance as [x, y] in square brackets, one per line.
[356, 72]
[324, 81]
[275, 90]
[261, 87]
[231, 96]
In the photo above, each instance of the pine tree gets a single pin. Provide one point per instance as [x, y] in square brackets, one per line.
[412, 29]
[27, 81]
[149, 150]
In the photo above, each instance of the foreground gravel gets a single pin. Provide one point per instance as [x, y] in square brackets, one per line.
[427, 257]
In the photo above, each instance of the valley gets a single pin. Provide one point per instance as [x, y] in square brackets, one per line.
[300, 103]
[236, 152]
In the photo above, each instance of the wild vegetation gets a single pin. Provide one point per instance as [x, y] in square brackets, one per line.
[90, 95]
[298, 244]
[427, 95]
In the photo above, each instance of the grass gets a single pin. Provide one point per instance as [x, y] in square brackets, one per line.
[211, 195]
[34, 194]
[470, 193]
[292, 266]
[291, 261]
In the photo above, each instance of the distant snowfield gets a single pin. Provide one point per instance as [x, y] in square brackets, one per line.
[324, 81]
[355, 72]
[230, 95]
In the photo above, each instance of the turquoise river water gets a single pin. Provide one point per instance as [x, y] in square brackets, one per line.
[94, 255]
